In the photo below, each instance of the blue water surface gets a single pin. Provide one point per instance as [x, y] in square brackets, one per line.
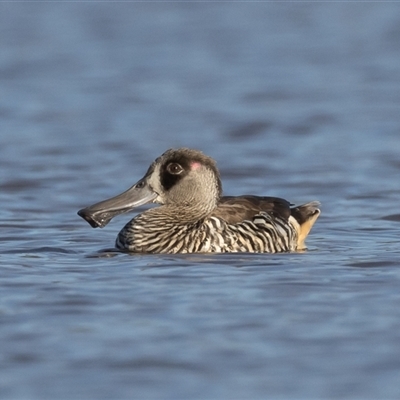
[296, 100]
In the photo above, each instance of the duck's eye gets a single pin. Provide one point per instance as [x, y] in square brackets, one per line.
[174, 168]
[140, 185]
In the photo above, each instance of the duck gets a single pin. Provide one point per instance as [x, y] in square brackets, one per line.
[194, 217]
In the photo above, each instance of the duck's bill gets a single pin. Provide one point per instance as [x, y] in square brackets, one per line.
[100, 214]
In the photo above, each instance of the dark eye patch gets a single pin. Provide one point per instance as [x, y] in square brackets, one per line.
[173, 171]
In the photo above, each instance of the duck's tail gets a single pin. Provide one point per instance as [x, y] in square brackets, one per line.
[305, 216]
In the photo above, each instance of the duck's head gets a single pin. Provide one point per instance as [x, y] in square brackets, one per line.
[186, 180]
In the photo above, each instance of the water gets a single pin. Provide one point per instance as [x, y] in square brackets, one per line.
[297, 100]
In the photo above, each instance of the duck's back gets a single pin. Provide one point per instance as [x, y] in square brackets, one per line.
[236, 209]
[264, 224]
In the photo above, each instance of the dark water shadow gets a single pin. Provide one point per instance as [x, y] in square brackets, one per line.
[237, 260]
[105, 253]
[391, 217]
[374, 264]
[38, 250]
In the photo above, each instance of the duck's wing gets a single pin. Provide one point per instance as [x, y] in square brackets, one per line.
[235, 209]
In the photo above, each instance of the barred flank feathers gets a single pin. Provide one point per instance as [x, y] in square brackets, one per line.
[264, 235]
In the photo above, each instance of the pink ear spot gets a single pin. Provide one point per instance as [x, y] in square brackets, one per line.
[195, 165]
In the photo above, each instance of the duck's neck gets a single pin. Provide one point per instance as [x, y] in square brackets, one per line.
[178, 214]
